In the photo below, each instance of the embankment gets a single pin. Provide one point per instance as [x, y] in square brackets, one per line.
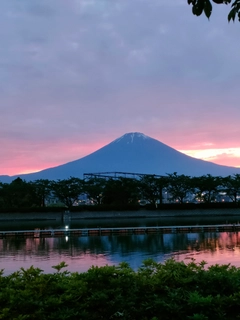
[34, 216]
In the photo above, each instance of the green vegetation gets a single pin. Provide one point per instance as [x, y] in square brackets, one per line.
[173, 290]
[119, 192]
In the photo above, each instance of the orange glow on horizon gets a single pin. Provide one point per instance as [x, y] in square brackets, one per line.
[222, 156]
[34, 159]
[26, 161]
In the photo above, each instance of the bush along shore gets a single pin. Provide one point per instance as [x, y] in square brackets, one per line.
[173, 290]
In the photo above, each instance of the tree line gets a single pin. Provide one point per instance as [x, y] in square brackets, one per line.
[150, 189]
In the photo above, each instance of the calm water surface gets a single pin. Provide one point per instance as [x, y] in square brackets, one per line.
[80, 253]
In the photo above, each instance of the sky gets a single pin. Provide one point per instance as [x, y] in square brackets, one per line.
[77, 74]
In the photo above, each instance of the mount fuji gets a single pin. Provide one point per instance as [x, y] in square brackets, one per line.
[134, 153]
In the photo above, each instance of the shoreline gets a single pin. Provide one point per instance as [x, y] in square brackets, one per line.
[141, 214]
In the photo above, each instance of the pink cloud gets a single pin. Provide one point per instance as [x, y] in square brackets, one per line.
[226, 159]
[25, 158]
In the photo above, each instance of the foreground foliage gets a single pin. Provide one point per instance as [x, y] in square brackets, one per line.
[205, 6]
[173, 290]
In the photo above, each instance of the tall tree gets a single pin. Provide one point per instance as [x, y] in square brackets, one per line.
[121, 191]
[232, 186]
[179, 187]
[152, 187]
[68, 190]
[17, 194]
[207, 187]
[42, 189]
[94, 188]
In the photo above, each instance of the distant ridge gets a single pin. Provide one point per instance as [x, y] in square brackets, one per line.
[132, 152]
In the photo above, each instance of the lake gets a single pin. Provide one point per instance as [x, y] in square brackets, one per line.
[81, 252]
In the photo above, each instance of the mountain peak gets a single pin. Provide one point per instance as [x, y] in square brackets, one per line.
[132, 152]
[131, 136]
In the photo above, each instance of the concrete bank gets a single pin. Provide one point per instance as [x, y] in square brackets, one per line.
[60, 216]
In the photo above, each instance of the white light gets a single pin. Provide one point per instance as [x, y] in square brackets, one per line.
[66, 227]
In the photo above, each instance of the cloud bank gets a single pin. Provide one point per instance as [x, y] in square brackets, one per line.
[77, 74]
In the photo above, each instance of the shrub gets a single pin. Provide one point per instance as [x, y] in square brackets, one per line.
[173, 290]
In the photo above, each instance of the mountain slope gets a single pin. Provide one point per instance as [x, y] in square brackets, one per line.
[136, 153]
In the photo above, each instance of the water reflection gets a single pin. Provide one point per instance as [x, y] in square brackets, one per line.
[80, 253]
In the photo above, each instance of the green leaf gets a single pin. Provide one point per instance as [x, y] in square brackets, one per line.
[60, 266]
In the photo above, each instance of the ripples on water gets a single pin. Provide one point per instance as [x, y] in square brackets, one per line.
[80, 253]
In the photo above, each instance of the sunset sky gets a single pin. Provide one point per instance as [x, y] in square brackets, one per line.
[77, 74]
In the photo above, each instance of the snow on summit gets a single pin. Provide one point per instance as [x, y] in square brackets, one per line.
[130, 137]
[136, 153]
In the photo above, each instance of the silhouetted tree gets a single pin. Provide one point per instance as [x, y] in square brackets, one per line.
[179, 186]
[121, 191]
[94, 188]
[42, 189]
[17, 194]
[232, 186]
[152, 188]
[205, 6]
[68, 190]
[207, 187]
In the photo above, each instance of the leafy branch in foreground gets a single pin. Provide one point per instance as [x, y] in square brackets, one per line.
[60, 266]
[173, 290]
[205, 6]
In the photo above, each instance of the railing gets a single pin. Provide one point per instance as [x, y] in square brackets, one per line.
[38, 233]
